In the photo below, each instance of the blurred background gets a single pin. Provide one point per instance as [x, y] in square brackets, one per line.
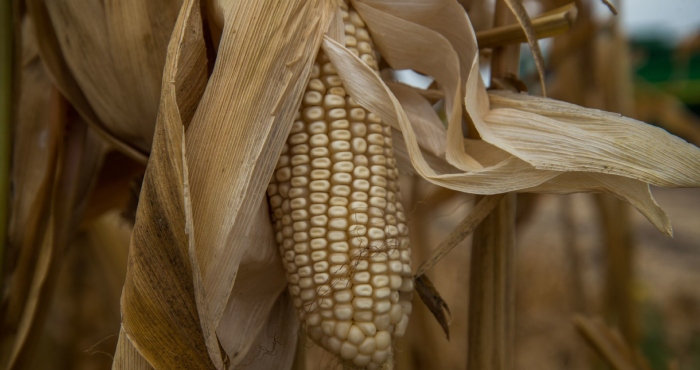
[581, 254]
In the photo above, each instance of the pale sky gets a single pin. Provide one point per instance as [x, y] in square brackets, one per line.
[678, 18]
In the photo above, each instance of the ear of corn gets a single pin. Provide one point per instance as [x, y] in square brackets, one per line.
[338, 217]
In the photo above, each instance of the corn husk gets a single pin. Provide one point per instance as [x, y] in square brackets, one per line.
[232, 155]
[107, 59]
[207, 183]
[162, 268]
[429, 25]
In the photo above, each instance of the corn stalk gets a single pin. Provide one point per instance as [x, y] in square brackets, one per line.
[492, 286]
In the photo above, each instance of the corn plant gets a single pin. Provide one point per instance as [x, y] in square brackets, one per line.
[272, 134]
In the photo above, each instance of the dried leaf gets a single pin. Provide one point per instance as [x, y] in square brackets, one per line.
[276, 345]
[608, 344]
[430, 131]
[635, 192]
[461, 231]
[432, 299]
[518, 176]
[214, 136]
[126, 42]
[126, 356]
[51, 54]
[516, 6]
[404, 43]
[508, 175]
[162, 300]
[259, 282]
[559, 136]
[235, 138]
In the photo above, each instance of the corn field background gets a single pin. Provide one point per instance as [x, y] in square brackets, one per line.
[177, 176]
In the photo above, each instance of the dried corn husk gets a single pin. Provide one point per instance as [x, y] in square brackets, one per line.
[159, 299]
[246, 107]
[202, 234]
[107, 59]
[427, 34]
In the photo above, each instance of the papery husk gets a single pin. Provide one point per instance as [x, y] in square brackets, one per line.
[243, 119]
[668, 111]
[276, 343]
[107, 59]
[372, 93]
[389, 23]
[260, 279]
[555, 135]
[635, 192]
[126, 356]
[211, 183]
[162, 293]
[423, 28]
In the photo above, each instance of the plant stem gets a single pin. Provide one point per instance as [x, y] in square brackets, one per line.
[485, 206]
[547, 25]
[492, 288]
[619, 276]
[578, 296]
[505, 59]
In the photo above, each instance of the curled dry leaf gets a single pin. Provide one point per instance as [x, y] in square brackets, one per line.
[233, 142]
[107, 59]
[432, 299]
[161, 304]
[559, 136]
[194, 227]
[516, 6]
[509, 166]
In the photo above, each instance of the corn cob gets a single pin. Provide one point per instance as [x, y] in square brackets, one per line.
[338, 217]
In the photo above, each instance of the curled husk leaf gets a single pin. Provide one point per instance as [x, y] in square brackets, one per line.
[527, 143]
